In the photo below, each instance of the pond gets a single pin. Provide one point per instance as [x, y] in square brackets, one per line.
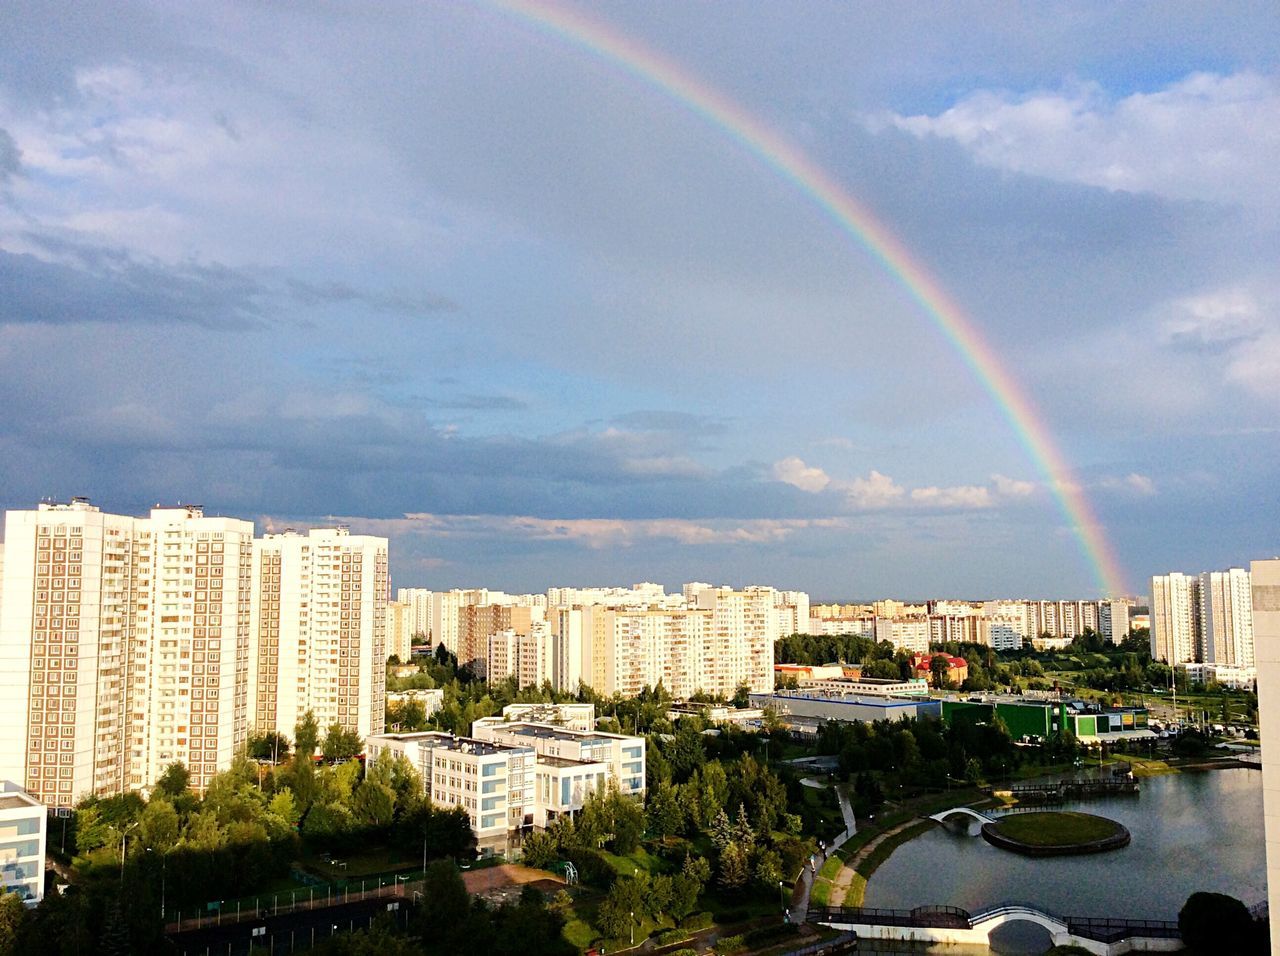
[1191, 831]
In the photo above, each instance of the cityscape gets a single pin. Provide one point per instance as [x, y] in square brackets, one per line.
[557, 478]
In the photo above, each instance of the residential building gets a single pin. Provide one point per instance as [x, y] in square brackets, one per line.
[957, 667]
[622, 754]
[420, 603]
[904, 633]
[1113, 620]
[320, 616]
[23, 831]
[399, 630]
[431, 699]
[1226, 618]
[124, 646]
[1226, 675]
[1175, 612]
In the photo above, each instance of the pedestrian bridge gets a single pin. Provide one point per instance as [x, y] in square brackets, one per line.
[964, 811]
[950, 924]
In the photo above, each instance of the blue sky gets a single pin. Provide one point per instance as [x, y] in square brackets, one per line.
[429, 271]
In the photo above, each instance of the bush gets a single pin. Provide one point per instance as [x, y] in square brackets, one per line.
[1215, 923]
[593, 868]
[697, 921]
[766, 935]
[668, 936]
[731, 945]
[683, 952]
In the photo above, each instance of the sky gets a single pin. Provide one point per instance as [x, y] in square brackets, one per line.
[442, 275]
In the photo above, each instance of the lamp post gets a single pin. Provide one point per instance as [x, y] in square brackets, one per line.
[781, 900]
[633, 927]
[124, 835]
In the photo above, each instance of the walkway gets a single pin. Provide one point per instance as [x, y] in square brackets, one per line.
[963, 811]
[844, 879]
[799, 907]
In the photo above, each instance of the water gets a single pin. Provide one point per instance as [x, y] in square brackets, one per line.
[1191, 831]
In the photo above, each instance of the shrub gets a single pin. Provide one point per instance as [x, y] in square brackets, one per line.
[668, 936]
[765, 935]
[731, 945]
[696, 921]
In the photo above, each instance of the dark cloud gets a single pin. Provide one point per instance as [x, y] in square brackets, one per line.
[339, 293]
[10, 156]
[111, 287]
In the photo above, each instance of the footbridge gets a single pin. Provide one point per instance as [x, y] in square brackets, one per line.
[963, 811]
[950, 924]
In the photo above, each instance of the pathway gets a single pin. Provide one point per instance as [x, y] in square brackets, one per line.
[804, 885]
[844, 879]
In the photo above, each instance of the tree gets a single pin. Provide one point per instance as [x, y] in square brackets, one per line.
[666, 815]
[174, 781]
[628, 823]
[340, 743]
[158, 824]
[307, 735]
[539, 850]
[442, 918]
[940, 671]
[735, 867]
[272, 745]
[1216, 923]
[13, 921]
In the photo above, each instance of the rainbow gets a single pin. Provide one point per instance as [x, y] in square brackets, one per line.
[859, 224]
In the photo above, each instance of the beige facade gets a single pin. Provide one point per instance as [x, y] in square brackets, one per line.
[320, 617]
[1174, 618]
[399, 630]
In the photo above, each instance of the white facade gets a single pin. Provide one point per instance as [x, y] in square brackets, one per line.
[1228, 675]
[1174, 618]
[493, 783]
[904, 633]
[23, 824]
[569, 716]
[124, 646]
[431, 698]
[1226, 617]
[420, 601]
[1113, 620]
[624, 755]
[320, 615]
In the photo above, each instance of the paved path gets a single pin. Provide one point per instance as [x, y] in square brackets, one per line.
[799, 908]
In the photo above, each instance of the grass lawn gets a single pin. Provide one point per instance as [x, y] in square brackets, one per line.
[1056, 828]
[641, 859]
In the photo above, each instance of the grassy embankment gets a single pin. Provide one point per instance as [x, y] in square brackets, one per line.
[1056, 828]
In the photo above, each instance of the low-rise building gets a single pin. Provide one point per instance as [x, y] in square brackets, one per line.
[1035, 718]
[23, 827]
[1235, 678]
[624, 755]
[494, 783]
[957, 667]
[746, 718]
[805, 705]
[569, 716]
[431, 698]
[868, 687]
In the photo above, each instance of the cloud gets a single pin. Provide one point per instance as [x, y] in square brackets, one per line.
[1132, 483]
[340, 293]
[793, 471]
[1212, 321]
[1256, 367]
[593, 533]
[1206, 136]
[1012, 487]
[10, 157]
[114, 288]
[874, 491]
[957, 496]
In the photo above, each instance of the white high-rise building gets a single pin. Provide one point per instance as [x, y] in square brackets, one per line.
[1226, 618]
[1174, 618]
[420, 601]
[1113, 620]
[124, 646]
[565, 624]
[320, 615]
[399, 631]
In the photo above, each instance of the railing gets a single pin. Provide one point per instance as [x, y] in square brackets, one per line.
[1100, 929]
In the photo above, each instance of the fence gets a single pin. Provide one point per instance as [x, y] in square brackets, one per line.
[276, 904]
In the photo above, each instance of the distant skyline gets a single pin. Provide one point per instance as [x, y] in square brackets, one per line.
[437, 274]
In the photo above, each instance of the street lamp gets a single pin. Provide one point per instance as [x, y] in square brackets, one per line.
[633, 927]
[124, 834]
[164, 865]
[781, 902]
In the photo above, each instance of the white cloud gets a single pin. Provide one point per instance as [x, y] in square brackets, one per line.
[1212, 319]
[874, 491]
[1012, 487]
[958, 496]
[1132, 483]
[794, 471]
[1207, 136]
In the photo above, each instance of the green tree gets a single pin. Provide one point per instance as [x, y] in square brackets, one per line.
[666, 815]
[272, 745]
[735, 867]
[159, 825]
[306, 735]
[174, 782]
[628, 822]
[14, 918]
[340, 743]
[1216, 923]
[442, 919]
[940, 671]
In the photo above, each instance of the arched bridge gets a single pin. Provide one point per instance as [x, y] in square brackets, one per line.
[965, 811]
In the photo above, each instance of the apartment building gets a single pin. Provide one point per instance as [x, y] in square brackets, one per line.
[399, 630]
[623, 755]
[1205, 619]
[124, 646]
[420, 601]
[23, 831]
[320, 617]
[1265, 611]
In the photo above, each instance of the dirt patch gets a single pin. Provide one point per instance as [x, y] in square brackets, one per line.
[493, 878]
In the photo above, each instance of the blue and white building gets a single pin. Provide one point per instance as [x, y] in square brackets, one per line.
[23, 829]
